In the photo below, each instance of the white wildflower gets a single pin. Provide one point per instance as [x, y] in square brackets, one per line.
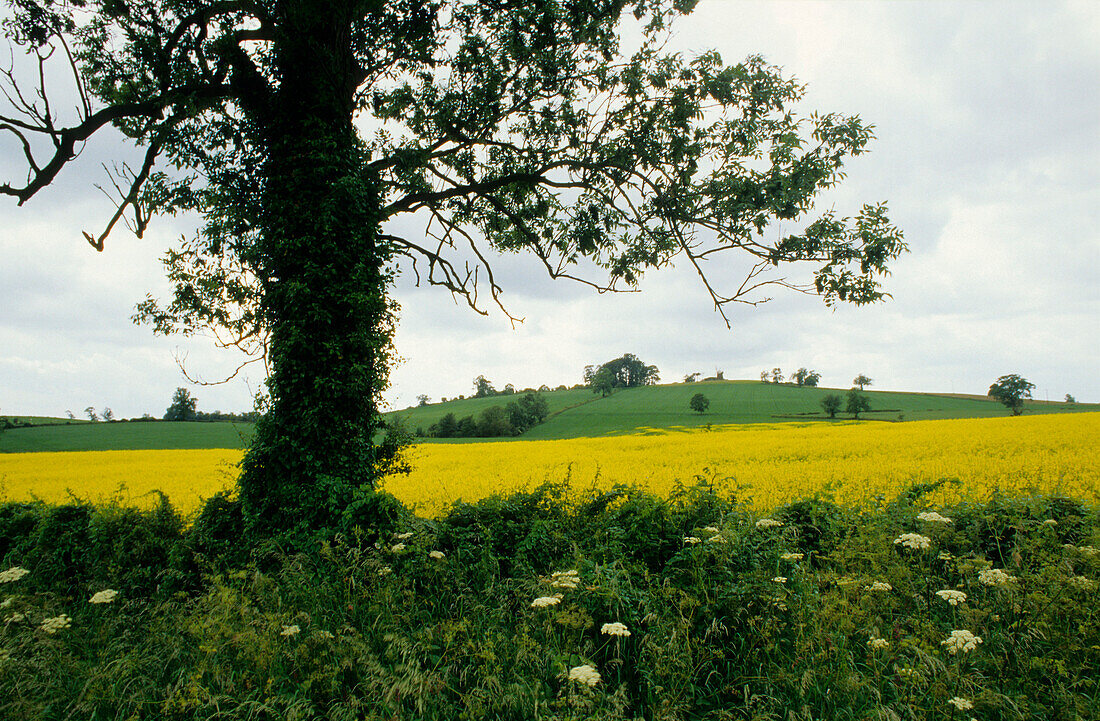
[544, 601]
[1083, 583]
[711, 529]
[933, 517]
[768, 523]
[402, 536]
[615, 629]
[945, 556]
[14, 618]
[952, 596]
[995, 577]
[397, 547]
[878, 643]
[55, 624]
[437, 555]
[565, 579]
[780, 579]
[105, 596]
[791, 556]
[324, 634]
[879, 586]
[779, 603]
[13, 574]
[962, 704]
[716, 539]
[289, 631]
[961, 641]
[913, 540]
[385, 571]
[692, 540]
[584, 674]
[1050, 522]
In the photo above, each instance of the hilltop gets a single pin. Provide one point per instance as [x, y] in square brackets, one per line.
[574, 413]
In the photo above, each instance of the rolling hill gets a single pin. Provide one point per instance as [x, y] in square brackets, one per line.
[574, 413]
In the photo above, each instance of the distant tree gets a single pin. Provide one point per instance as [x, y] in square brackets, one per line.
[483, 388]
[831, 404]
[71, 416]
[108, 415]
[90, 412]
[1011, 390]
[603, 382]
[803, 377]
[445, 427]
[861, 380]
[509, 390]
[182, 408]
[423, 400]
[857, 403]
[544, 388]
[494, 423]
[699, 403]
[692, 377]
[765, 377]
[1070, 399]
[777, 375]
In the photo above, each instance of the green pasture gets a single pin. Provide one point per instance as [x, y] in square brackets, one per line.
[573, 414]
[125, 436]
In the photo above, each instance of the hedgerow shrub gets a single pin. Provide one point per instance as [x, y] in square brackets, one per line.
[815, 611]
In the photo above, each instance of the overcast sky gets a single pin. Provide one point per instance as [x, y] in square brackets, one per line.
[987, 117]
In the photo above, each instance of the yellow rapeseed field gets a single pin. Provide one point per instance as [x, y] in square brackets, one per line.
[769, 464]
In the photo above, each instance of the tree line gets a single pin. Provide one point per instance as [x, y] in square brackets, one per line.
[494, 422]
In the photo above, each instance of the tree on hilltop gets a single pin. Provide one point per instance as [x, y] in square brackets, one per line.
[506, 126]
[806, 378]
[861, 380]
[1011, 390]
[183, 406]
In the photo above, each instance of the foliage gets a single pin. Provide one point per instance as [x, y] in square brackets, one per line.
[856, 403]
[1070, 398]
[496, 421]
[803, 377]
[625, 372]
[434, 619]
[699, 403]
[1011, 390]
[861, 380]
[182, 407]
[692, 377]
[831, 404]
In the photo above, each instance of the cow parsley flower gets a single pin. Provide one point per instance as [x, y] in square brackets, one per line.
[584, 674]
[780, 579]
[878, 643]
[791, 556]
[913, 540]
[962, 704]
[290, 631]
[13, 574]
[768, 523]
[397, 547]
[565, 579]
[385, 571]
[995, 577]
[615, 629]
[402, 536]
[933, 517]
[961, 641]
[952, 596]
[717, 539]
[692, 540]
[544, 601]
[711, 529]
[55, 624]
[105, 596]
[437, 555]
[879, 586]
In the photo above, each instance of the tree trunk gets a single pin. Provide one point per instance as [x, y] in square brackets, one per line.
[324, 282]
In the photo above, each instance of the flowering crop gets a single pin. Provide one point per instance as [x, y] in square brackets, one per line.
[855, 462]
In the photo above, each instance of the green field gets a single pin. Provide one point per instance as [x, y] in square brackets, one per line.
[573, 414]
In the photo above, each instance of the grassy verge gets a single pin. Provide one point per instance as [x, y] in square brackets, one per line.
[818, 612]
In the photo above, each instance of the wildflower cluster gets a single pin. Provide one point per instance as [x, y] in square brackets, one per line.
[952, 596]
[105, 596]
[544, 601]
[768, 523]
[615, 629]
[55, 624]
[933, 517]
[913, 540]
[961, 640]
[584, 674]
[565, 579]
[995, 577]
[13, 574]
[879, 586]
[877, 644]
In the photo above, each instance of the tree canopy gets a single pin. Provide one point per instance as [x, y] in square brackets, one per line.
[298, 130]
[1011, 390]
